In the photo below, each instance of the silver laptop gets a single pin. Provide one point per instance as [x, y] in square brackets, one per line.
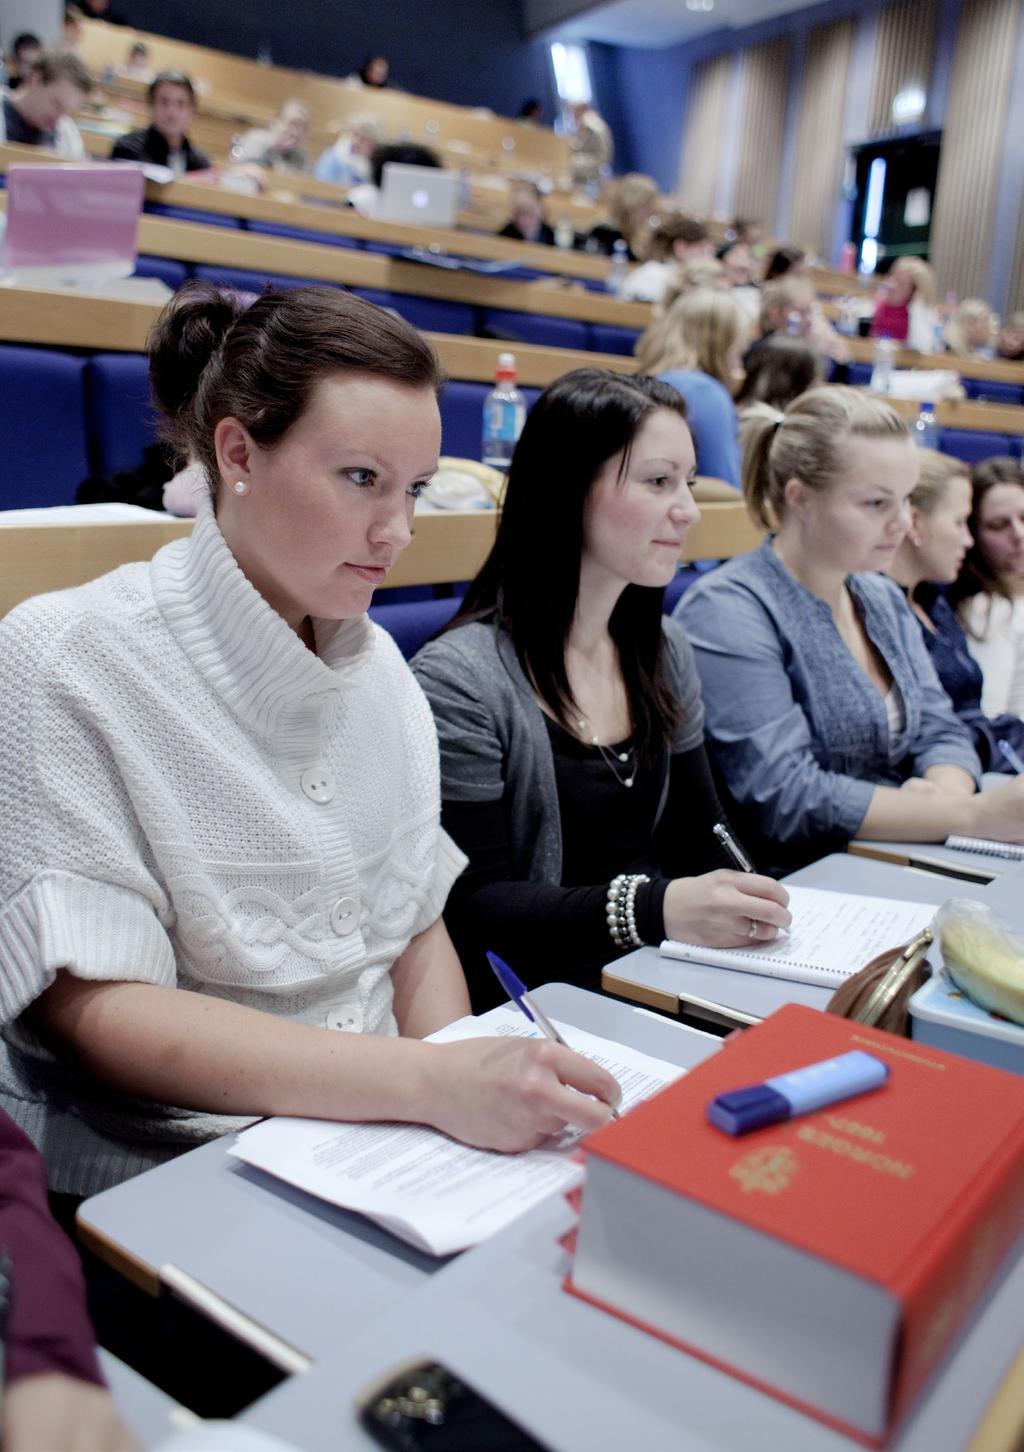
[424, 196]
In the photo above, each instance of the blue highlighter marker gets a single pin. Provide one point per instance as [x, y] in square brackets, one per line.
[738, 1111]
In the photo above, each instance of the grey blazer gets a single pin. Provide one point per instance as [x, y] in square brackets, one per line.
[494, 739]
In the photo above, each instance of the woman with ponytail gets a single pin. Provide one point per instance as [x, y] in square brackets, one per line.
[825, 718]
[222, 870]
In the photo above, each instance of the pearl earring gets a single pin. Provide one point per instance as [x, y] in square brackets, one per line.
[915, 540]
[240, 486]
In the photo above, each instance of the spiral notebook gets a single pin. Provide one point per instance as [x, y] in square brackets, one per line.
[834, 935]
[1013, 850]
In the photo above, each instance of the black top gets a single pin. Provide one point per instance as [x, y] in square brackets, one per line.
[546, 236]
[149, 144]
[19, 130]
[602, 239]
[549, 932]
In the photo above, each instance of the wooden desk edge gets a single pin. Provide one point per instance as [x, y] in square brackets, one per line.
[1001, 1428]
[659, 998]
[139, 1272]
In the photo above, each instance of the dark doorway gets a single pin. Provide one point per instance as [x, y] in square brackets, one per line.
[892, 214]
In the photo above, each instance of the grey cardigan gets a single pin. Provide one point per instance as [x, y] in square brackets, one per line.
[494, 740]
[795, 728]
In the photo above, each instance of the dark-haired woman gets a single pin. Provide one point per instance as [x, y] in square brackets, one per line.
[989, 591]
[572, 760]
[222, 870]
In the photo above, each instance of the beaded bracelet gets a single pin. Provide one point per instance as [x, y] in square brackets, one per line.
[619, 911]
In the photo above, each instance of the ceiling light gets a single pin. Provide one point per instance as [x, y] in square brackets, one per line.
[700, 4]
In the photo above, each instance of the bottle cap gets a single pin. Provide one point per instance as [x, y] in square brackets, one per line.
[507, 366]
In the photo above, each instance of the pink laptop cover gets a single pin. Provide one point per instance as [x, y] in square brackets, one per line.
[72, 216]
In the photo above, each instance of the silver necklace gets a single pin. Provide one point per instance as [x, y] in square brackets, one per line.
[611, 757]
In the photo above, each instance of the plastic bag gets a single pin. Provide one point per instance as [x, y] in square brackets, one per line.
[983, 956]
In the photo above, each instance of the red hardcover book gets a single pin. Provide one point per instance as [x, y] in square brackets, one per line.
[827, 1260]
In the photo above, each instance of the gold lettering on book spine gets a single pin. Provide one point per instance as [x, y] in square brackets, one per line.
[810, 1134]
[769, 1170]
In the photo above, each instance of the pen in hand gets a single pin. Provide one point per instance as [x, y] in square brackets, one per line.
[733, 848]
[519, 995]
[1011, 756]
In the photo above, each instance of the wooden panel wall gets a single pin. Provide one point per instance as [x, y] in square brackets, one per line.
[765, 89]
[972, 144]
[819, 143]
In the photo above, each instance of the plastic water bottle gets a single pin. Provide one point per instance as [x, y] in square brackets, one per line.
[881, 375]
[565, 233]
[849, 317]
[504, 413]
[926, 430]
[619, 269]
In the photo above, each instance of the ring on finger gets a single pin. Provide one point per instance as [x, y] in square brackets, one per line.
[752, 930]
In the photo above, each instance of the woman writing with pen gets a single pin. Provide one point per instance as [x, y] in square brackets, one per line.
[573, 772]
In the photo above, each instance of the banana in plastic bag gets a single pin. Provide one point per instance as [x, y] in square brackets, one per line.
[983, 956]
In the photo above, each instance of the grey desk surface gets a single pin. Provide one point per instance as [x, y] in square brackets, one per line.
[583, 1381]
[648, 976]
[151, 1414]
[305, 1270]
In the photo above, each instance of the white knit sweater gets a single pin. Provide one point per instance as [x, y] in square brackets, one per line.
[191, 797]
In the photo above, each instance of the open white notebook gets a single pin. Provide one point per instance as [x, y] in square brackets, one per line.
[440, 1195]
[1011, 850]
[834, 935]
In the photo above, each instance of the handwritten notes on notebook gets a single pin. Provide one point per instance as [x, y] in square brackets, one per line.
[437, 1194]
[834, 934]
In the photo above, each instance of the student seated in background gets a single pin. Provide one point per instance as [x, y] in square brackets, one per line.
[39, 112]
[527, 223]
[632, 209]
[777, 370]
[825, 718]
[930, 558]
[54, 1397]
[573, 771]
[1010, 342]
[972, 330]
[905, 305]
[347, 162]
[18, 64]
[785, 261]
[164, 142]
[227, 901]
[696, 347]
[989, 591]
[366, 198]
[675, 242]
[281, 145]
[790, 306]
[738, 260]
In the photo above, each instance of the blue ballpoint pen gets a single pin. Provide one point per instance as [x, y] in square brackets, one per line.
[519, 995]
[517, 991]
[1011, 756]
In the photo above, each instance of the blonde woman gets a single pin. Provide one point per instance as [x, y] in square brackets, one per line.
[972, 330]
[696, 347]
[631, 207]
[823, 712]
[905, 308]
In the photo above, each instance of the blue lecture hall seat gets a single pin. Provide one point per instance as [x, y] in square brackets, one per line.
[172, 273]
[431, 315]
[242, 279]
[192, 214]
[534, 328]
[972, 446]
[462, 406]
[412, 624]
[42, 424]
[860, 374]
[302, 234]
[607, 338]
[984, 391]
[120, 417]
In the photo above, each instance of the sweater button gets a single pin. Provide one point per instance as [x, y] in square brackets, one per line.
[318, 784]
[345, 916]
[346, 1020]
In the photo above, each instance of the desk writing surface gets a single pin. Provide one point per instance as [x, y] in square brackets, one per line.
[308, 1271]
[649, 977]
[584, 1381]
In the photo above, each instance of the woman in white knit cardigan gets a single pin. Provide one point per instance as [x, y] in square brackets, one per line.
[221, 865]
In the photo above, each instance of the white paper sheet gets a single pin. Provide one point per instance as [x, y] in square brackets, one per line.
[440, 1195]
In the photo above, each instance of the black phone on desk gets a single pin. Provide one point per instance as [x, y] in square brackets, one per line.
[421, 1406]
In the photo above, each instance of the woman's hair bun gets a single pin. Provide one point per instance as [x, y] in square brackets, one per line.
[184, 338]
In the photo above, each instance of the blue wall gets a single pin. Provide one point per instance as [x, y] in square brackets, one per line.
[470, 52]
